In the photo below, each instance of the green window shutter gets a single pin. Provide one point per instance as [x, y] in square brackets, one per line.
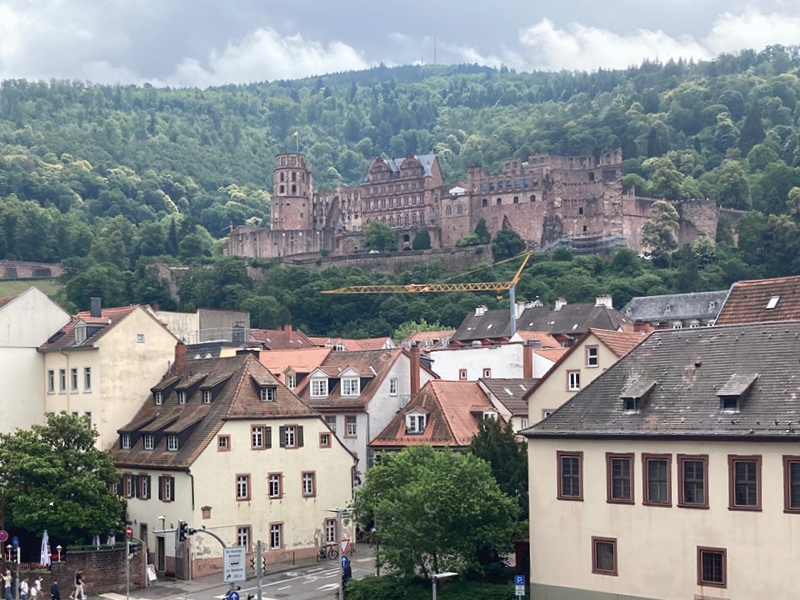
[172, 489]
[268, 437]
[160, 487]
[299, 436]
[282, 435]
[149, 487]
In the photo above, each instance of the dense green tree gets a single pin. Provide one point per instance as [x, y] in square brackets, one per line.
[752, 132]
[483, 232]
[380, 237]
[507, 243]
[56, 479]
[434, 510]
[422, 241]
[410, 327]
[659, 233]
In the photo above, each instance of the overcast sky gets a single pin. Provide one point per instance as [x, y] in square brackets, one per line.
[211, 42]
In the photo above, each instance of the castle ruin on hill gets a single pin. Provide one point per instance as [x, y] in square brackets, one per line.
[550, 201]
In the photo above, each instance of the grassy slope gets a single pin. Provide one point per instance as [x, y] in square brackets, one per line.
[13, 287]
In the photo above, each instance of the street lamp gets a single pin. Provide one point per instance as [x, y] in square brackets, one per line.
[58, 549]
[437, 576]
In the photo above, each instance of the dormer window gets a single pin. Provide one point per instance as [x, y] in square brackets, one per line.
[125, 441]
[631, 405]
[340, 346]
[149, 441]
[668, 308]
[636, 396]
[267, 394]
[182, 397]
[159, 398]
[712, 305]
[172, 442]
[773, 302]
[291, 381]
[415, 423]
[80, 333]
[319, 388]
[489, 414]
[734, 392]
[351, 387]
[729, 404]
[207, 397]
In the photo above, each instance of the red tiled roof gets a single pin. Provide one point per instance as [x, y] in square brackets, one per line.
[547, 340]
[748, 300]
[619, 342]
[302, 361]
[65, 337]
[450, 422]
[278, 339]
[351, 345]
[551, 353]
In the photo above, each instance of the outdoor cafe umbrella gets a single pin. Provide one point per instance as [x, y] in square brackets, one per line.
[44, 559]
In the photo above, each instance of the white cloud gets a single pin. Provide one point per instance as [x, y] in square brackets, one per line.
[580, 47]
[264, 54]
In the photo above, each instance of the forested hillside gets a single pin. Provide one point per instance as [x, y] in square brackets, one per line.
[113, 177]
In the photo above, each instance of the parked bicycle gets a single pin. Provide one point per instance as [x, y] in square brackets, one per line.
[330, 552]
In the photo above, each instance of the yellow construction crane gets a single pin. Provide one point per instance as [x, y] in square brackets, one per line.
[443, 286]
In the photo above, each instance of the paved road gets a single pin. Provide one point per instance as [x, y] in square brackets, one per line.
[304, 583]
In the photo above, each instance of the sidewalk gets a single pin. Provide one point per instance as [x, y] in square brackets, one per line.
[165, 588]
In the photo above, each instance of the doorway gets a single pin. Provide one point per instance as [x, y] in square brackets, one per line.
[161, 554]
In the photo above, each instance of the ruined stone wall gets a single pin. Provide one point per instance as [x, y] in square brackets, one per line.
[257, 242]
[15, 269]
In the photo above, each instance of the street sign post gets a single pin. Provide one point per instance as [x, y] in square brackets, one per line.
[344, 545]
[345, 562]
[15, 542]
[128, 532]
[3, 535]
[519, 584]
[233, 595]
[234, 567]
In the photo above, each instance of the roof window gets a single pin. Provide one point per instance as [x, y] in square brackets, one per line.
[773, 302]
[415, 423]
[634, 398]
[733, 393]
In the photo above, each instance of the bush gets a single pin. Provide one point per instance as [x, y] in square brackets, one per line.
[324, 252]
[399, 588]
[469, 240]
[422, 241]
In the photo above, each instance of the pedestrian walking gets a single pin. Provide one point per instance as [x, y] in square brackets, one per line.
[34, 595]
[55, 593]
[38, 585]
[8, 579]
[80, 591]
[23, 589]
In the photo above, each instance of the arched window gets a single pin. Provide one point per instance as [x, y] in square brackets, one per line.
[499, 185]
[391, 221]
[485, 202]
[448, 211]
[294, 176]
[516, 199]
[533, 197]
[414, 218]
[294, 189]
[459, 209]
[281, 176]
[282, 190]
[499, 201]
[383, 203]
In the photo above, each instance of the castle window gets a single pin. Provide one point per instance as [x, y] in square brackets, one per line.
[584, 229]
[391, 221]
[483, 187]
[459, 209]
[518, 182]
[499, 201]
[580, 210]
[491, 187]
[485, 202]
[516, 199]
[294, 176]
[448, 211]
[591, 176]
[508, 184]
[282, 190]
[294, 188]
[281, 176]
[527, 183]
[533, 197]
[414, 218]
[383, 203]
[499, 185]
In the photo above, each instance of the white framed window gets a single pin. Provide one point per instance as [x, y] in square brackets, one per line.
[592, 356]
[319, 388]
[340, 346]
[125, 441]
[243, 487]
[243, 537]
[352, 426]
[140, 338]
[172, 442]
[145, 485]
[330, 531]
[129, 486]
[87, 379]
[393, 386]
[773, 302]
[415, 423]
[73, 376]
[462, 374]
[182, 397]
[51, 381]
[206, 396]
[331, 423]
[275, 535]
[274, 485]
[88, 415]
[487, 373]
[62, 380]
[267, 394]
[524, 423]
[169, 491]
[308, 484]
[148, 441]
[351, 387]
[159, 398]
[573, 381]
[258, 436]
[80, 333]
[291, 381]
[291, 436]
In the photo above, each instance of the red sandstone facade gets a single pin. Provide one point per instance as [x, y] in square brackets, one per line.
[549, 200]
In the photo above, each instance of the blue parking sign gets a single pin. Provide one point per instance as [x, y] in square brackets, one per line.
[519, 579]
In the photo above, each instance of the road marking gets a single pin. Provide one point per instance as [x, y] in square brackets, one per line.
[315, 569]
[286, 587]
[362, 560]
[330, 586]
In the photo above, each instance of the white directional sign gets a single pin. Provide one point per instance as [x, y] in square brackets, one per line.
[234, 564]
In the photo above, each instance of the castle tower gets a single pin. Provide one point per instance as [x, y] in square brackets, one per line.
[292, 193]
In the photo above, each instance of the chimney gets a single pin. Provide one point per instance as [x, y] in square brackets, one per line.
[414, 353]
[287, 329]
[480, 311]
[604, 300]
[97, 308]
[560, 303]
[520, 308]
[180, 359]
[527, 361]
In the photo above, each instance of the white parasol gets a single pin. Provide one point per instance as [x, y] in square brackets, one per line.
[44, 559]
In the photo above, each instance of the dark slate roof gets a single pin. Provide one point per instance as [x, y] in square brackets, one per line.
[65, 337]
[675, 307]
[394, 164]
[748, 300]
[196, 423]
[690, 368]
[510, 392]
[572, 319]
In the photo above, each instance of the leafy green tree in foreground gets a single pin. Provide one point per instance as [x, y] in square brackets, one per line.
[56, 479]
[659, 233]
[497, 444]
[380, 237]
[507, 243]
[435, 510]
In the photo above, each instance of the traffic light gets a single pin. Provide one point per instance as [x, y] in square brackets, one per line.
[183, 530]
[263, 563]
